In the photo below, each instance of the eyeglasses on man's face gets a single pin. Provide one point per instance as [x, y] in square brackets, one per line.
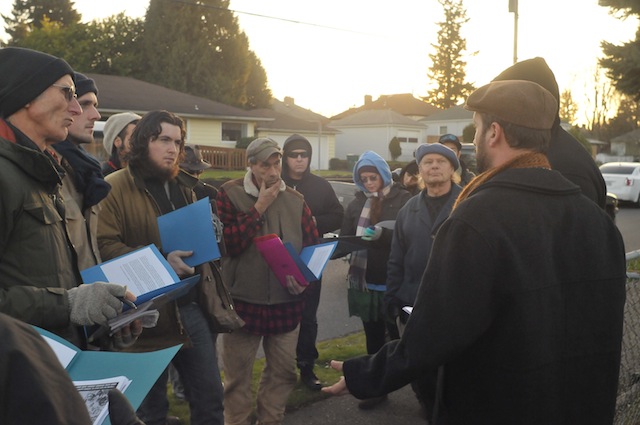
[295, 155]
[69, 91]
[372, 179]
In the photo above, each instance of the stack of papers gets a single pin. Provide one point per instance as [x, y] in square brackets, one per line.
[94, 373]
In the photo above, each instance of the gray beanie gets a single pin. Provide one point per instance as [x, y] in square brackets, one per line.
[114, 126]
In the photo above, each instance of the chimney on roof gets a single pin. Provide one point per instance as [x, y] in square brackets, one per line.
[367, 99]
[289, 101]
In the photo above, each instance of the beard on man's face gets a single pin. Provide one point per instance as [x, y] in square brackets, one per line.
[151, 169]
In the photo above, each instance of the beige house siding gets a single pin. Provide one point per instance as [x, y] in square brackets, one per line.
[204, 132]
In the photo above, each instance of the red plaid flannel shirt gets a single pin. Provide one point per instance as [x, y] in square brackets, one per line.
[239, 230]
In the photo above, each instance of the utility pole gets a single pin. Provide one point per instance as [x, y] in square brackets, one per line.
[513, 8]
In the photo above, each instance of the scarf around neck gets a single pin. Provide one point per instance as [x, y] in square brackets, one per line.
[86, 173]
[358, 262]
[526, 160]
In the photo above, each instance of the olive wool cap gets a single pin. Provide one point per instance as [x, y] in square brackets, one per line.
[518, 102]
[261, 149]
[25, 74]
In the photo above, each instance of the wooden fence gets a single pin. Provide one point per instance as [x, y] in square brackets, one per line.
[224, 158]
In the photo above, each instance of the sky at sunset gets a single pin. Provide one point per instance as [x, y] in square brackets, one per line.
[329, 54]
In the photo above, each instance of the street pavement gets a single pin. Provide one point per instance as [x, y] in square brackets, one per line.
[334, 321]
[401, 408]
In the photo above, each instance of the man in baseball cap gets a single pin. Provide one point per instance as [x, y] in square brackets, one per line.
[451, 141]
[117, 140]
[257, 205]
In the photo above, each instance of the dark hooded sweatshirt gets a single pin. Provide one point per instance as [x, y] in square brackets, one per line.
[317, 192]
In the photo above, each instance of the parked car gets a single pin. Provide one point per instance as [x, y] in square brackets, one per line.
[623, 180]
[345, 191]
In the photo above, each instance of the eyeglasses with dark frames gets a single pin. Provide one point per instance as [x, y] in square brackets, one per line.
[372, 179]
[294, 155]
[69, 91]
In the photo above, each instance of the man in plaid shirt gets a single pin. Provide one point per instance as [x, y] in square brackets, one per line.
[256, 205]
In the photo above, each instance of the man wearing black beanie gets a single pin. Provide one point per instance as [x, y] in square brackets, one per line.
[83, 186]
[39, 276]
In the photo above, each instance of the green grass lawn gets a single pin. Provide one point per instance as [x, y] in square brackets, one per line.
[343, 348]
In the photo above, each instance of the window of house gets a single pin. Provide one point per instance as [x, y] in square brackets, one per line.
[443, 129]
[231, 131]
[408, 139]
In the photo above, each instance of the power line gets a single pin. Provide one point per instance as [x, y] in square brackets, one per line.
[293, 21]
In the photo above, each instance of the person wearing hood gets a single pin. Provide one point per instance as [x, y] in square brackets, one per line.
[410, 179]
[371, 215]
[327, 214]
[565, 153]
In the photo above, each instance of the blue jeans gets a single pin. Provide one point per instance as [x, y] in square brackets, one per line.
[198, 369]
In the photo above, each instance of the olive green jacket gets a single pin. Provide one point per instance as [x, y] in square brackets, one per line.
[36, 263]
[128, 221]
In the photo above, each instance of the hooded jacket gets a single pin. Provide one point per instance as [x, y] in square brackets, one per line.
[378, 252]
[317, 192]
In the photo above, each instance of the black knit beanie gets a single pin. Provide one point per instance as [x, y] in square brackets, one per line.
[25, 74]
[295, 142]
[535, 70]
[84, 85]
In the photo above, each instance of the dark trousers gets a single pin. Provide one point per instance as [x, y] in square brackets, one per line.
[376, 334]
[306, 352]
[198, 369]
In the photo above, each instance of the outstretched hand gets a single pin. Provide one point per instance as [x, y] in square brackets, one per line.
[340, 387]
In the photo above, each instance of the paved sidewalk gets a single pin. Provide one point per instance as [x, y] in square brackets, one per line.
[401, 408]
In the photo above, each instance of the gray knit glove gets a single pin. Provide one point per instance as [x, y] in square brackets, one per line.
[95, 303]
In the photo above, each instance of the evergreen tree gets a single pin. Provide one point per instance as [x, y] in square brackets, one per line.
[198, 48]
[623, 61]
[448, 69]
[395, 150]
[28, 15]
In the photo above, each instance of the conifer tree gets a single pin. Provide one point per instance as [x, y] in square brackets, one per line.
[448, 68]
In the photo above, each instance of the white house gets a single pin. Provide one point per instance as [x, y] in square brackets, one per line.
[286, 118]
[373, 130]
[452, 121]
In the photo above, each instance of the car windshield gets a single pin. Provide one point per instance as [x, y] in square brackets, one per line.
[617, 169]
